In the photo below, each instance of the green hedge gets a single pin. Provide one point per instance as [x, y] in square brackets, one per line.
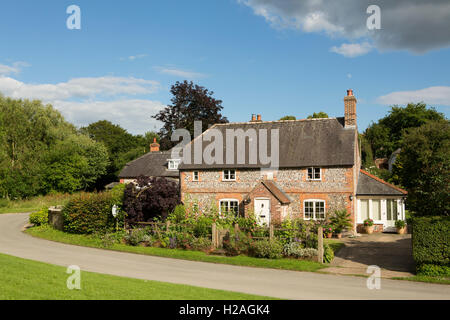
[40, 217]
[91, 213]
[431, 245]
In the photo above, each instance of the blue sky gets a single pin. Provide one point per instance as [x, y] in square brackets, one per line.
[263, 57]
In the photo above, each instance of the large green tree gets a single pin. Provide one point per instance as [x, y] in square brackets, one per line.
[190, 103]
[423, 167]
[29, 133]
[121, 145]
[385, 136]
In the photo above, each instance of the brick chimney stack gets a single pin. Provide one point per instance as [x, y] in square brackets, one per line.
[350, 109]
[154, 147]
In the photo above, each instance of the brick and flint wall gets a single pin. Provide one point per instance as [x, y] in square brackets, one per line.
[335, 188]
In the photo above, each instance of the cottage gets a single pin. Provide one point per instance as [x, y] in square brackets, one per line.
[318, 172]
[156, 163]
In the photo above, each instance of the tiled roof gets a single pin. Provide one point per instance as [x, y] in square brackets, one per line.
[152, 164]
[369, 184]
[302, 143]
[277, 192]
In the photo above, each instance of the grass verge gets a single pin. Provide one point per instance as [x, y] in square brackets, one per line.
[22, 279]
[334, 244]
[49, 233]
[417, 278]
[34, 204]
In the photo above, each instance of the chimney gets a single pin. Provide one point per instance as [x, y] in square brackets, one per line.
[350, 109]
[253, 117]
[154, 147]
[259, 118]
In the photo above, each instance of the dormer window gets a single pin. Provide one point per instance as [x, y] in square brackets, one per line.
[173, 164]
[314, 174]
[229, 175]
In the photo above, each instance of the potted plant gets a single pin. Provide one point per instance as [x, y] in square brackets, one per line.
[368, 226]
[340, 221]
[328, 231]
[401, 226]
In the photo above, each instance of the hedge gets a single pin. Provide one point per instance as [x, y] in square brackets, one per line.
[91, 213]
[431, 245]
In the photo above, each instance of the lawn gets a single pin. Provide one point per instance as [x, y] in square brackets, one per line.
[22, 279]
[418, 278]
[34, 204]
[90, 241]
[334, 244]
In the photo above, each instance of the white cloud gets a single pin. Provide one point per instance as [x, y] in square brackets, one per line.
[180, 73]
[432, 95]
[77, 88]
[414, 25]
[86, 100]
[352, 50]
[133, 114]
[132, 58]
[15, 68]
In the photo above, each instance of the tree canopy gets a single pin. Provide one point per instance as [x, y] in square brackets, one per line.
[385, 136]
[289, 118]
[190, 103]
[423, 167]
[40, 152]
[318, 115]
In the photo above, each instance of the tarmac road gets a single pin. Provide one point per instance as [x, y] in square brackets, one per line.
[266, 282]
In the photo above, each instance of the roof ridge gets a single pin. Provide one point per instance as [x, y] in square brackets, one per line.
[384, 182]
[273, 121]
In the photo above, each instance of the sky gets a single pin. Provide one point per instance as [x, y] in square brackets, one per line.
[268, 57]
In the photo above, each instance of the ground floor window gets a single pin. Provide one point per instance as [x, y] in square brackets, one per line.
[376, 209]
[314, 209]
[229, 206]
[364, 212]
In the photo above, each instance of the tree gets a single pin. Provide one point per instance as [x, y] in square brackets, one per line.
[423, 167]
[30, 133]
[150, 198]
[289, 118]
[386, 135]
[121, 145]
[318, 115]
[190, 103]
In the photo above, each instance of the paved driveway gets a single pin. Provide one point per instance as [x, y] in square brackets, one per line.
[391, 252]
[267, 282]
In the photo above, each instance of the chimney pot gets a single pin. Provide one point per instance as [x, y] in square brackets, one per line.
[349, 93]
[253, 117]
[259, 117]
[154, 147]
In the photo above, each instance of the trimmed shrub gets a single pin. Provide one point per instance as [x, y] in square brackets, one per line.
[39, 218]
[91, 213]
[430, 240]
[433, 270]
[270, 249]
[235, 244]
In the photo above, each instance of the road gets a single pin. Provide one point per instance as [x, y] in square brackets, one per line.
[266, 282]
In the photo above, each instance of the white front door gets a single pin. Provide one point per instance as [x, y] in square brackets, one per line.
[262, 211]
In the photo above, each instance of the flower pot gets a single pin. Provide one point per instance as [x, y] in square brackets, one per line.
[339, 235]
[329, 235]
[401, 230]
[368, 229]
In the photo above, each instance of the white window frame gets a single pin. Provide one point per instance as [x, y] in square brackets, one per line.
[314, 174]
[194, 178]
[173, 164]
[228, 207]
[314, 209]
[229, 174]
